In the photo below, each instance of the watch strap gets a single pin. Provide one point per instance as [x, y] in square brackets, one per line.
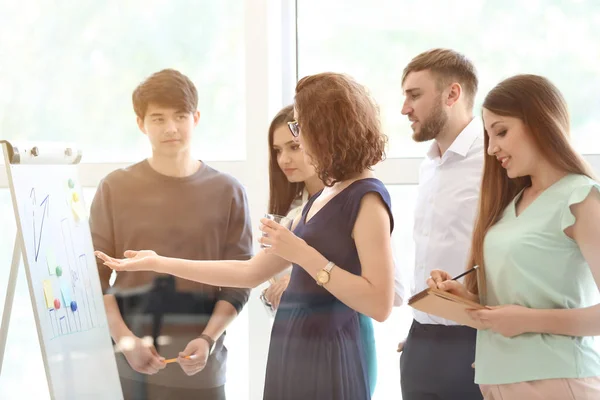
[329, 266]
[209, 340]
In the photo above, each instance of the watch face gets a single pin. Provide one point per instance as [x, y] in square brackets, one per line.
[322, 277]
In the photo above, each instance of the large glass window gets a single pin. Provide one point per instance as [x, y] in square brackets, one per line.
[395, 329]
[67, 71]
[373, 41]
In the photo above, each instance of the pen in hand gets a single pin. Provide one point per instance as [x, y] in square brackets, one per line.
[465, 273]
[172, 360]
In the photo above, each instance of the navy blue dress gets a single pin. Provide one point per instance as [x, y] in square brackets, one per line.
[317, 351]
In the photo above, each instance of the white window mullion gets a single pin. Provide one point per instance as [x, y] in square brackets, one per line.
[270, 73]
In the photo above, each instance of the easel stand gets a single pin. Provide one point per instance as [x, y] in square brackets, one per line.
[12, 156]
[10, 295]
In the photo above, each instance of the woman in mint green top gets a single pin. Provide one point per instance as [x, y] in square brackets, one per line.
[537, 243]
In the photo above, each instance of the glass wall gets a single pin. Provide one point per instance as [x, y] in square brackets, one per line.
[67, 71]
[373, 41]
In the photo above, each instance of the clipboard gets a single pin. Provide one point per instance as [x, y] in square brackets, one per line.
[446, 305]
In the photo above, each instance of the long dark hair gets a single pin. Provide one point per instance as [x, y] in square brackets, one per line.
[539, 104]
[282, 192]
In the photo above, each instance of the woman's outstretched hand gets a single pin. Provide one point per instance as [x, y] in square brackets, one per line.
[143, 260]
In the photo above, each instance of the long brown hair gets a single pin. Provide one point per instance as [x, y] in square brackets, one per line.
[540, 105]
[282, 192]
[339, 121]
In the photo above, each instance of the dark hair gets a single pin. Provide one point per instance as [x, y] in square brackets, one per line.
[282, 192]
[340, 124]
[166, 88]
[539, 104]
[447, 66]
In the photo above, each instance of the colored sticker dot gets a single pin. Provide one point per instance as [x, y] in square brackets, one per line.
[58, 271]
[75, 196]
[71, 183]
[56, 304]
[73, 306]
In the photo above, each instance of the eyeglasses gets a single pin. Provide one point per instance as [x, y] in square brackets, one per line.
[294, 128]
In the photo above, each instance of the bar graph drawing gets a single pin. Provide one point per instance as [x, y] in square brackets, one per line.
[67, 285]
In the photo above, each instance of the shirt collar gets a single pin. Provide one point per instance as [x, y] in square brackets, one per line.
[463, 142]
[304, 196]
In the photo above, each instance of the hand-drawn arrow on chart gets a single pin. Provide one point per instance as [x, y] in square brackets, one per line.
[37, 237]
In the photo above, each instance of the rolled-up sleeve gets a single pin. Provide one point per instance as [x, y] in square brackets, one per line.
[101, 227]
[238, 245]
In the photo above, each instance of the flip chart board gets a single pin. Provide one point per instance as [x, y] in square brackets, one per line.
[57, 252]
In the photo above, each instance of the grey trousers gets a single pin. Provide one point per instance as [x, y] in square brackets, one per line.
[436, 363]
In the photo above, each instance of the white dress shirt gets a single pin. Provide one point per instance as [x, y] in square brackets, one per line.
[447, 202]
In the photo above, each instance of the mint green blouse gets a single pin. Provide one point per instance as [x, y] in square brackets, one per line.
[531, 262]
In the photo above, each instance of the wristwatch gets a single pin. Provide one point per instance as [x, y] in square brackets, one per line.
[324, 274]
[211, 342]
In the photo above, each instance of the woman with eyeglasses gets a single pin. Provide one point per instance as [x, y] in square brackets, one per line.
[340, 250]
[291, 182]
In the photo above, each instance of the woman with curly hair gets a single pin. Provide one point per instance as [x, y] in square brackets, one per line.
[340, 249]
[292, 181]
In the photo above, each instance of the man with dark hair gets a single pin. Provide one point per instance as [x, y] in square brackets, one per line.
[440, 87]
[180, 207]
